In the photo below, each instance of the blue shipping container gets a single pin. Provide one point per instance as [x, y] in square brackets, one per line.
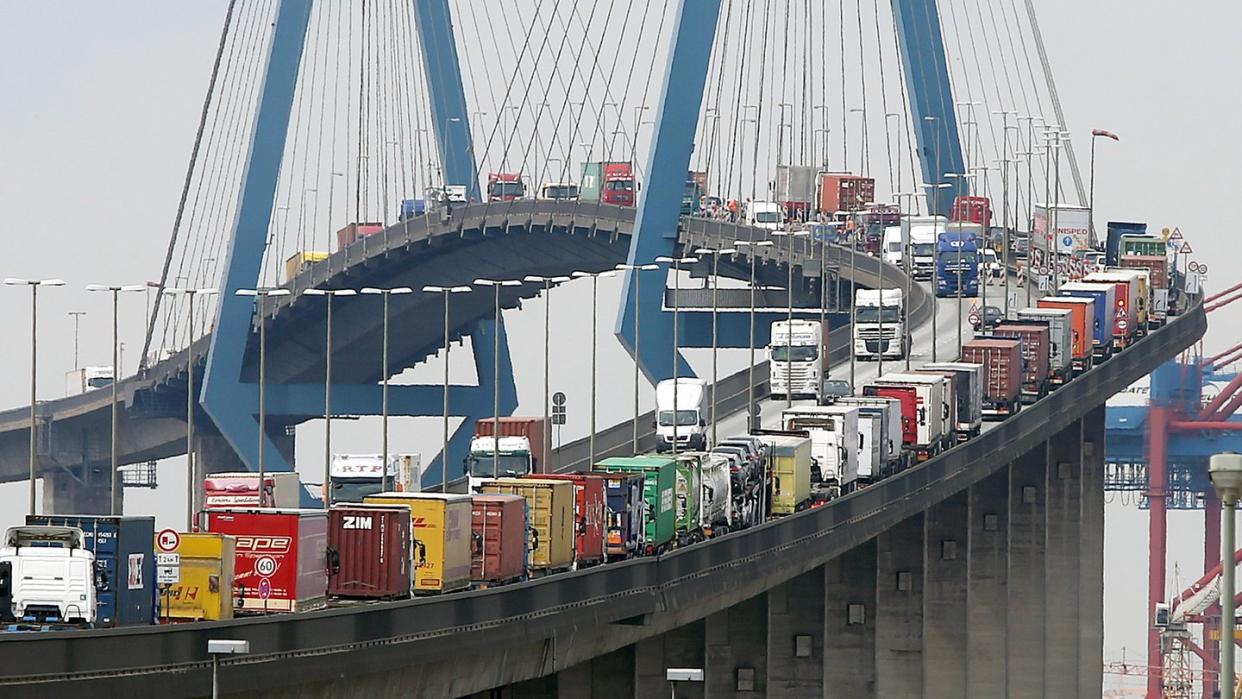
[1116, 229]
[1105, 301]
[124, 549]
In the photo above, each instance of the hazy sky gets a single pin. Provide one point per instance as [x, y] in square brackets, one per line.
[98, 103]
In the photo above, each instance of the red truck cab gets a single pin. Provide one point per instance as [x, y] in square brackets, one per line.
[505, 186]
[619, 186]
[972, 210]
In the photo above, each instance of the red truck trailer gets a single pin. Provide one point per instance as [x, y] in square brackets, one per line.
[844, 192]
[1036, 339]
[1002, 374]
[972, 210]
[590, 515]
[499, 526]
[354, 231]
[280, 563]
[369, 551]
[505, 186]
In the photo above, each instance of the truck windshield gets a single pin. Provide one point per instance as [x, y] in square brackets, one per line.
[923, 249]
[509, 465]
[561, 192]
[353, 490]
[621, 185]
[685, 418]
[872, 314]
[804, 353]
[767, 217]
[507, 189]
[950, 259]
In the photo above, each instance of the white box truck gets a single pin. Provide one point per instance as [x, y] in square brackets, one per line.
[355, 476]
[922, 232]
[834, 437]
[932, 413]
[888, 410]
[968, 395]
[796, 358]
[879, 325]
[765, 214]
[681, 415]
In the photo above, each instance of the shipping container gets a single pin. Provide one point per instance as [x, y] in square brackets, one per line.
[280, 561]
[791, 473]
[533, 429]
[241, 489]
[1036, 340]
[609, 182]
[355, 231]
[499, 525]
[1061, 333]
[843, 192]
[369, 551]
[440, 538]
[1130, 316]
[1116, 231]
[204, 591]
[659, 483]
[968, 395]
[1157, 269]
[626, 530]
[889, 411]
[795, 189]
[124, 564]
[933, 418]
[1002, 374]
[1104, 324]
[550, 506]
[972, 209]
[301, 261]
[688, 497]
[1082, 319]
[590, 515]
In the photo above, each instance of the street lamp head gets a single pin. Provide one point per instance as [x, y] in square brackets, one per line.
[727, 251]
[1225, 472]
[277, 292]
[460, 290]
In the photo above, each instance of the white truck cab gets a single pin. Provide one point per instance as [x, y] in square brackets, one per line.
[765, 214]
[557, 191]
[355, 476]
[512, 457]
[836, 444]
[681, 415]
[796, 358]
[879, 324]
[53, 576]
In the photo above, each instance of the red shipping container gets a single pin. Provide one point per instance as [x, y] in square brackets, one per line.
[1082, 322]
[532, 428]
[498, 547]
[281, 557]
[1002, 373]
[590, 514]
[1157, 266]
[1036, 339]
[369, 551]
[844, 192]
[909, 409]
[352, 232]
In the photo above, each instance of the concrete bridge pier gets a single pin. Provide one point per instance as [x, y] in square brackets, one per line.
[81, 490]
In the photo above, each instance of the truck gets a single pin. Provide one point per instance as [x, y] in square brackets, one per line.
[1082, 324]
[844, 192]
[791, 472]
[550, 507]
[795, 190]
[590, 515]
[1002, 374]
[968, 393]
[51, 576]
[835, 440]
[204, 588]
[299, 262]
[923, 249]
[659, 486]
[410, 209]
[281, 489]
[681, 415]
[608, 182]
[280, 557]
[1157, 268]
[1123, 229]
[693, 193]
[498, 526]
[879, 324]
[716, 514]
[893, 246]
[87, 378]
[892, 456]
[796, 357]
[505, 186]
[626, 530]
[688, 496]
[440, 524]
[924, 410]
[957, 264]
[764, 214]
[972, 209]
[354, 232]
[369, 551]
[355, 476]
[1036, 339]
[520, 451]
[1130, 315]
[1061, 331]
[1062, 230]
[1104, 325]
[557, 191]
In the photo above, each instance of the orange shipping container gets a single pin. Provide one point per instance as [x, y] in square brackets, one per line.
[844, 192]
[1082, 323]
[347, 235]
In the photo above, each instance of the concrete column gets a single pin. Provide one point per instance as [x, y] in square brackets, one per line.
[796, 637]
[80, 491]
[737, 650]
[1091, 557]
[945, 561]
[681, 647]
[987, 587]
[899, 616]
[1027, 544]
[610, 676]
[1061, 572]
[850, 624]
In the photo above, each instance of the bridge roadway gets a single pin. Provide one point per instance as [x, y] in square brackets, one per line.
[487, 240]
[978, 573]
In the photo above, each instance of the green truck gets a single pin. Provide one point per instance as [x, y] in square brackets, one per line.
[659, 494]
[1142, 245]
[688, 497]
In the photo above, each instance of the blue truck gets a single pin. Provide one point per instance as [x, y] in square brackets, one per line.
[1102, 328]
[957, 263]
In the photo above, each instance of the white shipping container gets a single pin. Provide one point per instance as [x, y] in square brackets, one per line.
[1072, 226]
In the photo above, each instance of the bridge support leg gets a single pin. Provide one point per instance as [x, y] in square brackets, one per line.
[82, 493]
[682, 647]
[1027, 545]
[850, 617]
[609, 676]
[1061, 572]
[1091, 559]
[944, 597]
[899, 585]
[987, 629]
[796, 637]
[737, 650]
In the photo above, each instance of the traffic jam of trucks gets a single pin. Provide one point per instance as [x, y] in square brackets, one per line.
[255, 550]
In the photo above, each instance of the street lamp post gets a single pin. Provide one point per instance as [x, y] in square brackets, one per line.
[964, 178]
[547, 349]
[934, 196]
[677, 262]
[260, 296]
[445, 291]
[715, 309]
[116, 292]
[496, 284]
[636, 271]
[789, 237]
[1095, 133]
[594, 348]
[34, 285]
[983, 286]
[750, 246]
[384, 371]
[77, 319]
[329, 295]
[191, 402]
[1225, 472]
[905, 263]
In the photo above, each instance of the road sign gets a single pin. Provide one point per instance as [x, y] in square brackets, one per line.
[973, 317]
[167, 575]
[265, 588]
[1043, 283]
[558, 398]
[168, 540]
[1202, 269]
[1122, 324]
[1067, 242]
[265, 566]
[1177, 234]
[1186, 249]
[167, 559]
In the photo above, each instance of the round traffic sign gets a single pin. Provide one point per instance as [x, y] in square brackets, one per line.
[558, 398]
[1067, 241]
[1122, 324]
[1202, 268]
[168, 540]
[973, 318]
[265, 588]
[265, 566]
[1193, 267]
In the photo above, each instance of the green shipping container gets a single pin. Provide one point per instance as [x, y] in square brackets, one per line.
[1144, 246]
[689, 493]
[659, 486]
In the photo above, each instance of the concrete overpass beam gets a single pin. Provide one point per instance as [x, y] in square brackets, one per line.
[850, 624]
[737, 650]
[1025, 616]
[1091, 558]
[610, 676]
[987, 629]
[1061, 572]
[796, 637]
[682, 647]
[899, 618]
[944, 597]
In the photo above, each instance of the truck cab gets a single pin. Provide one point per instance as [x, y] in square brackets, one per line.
[505, 186]
[765, 214]
[557, 191]
[957, 264]
[352, 477]
[511, 458]
[681, 415]
[879, 326]
[923, 250]
[796, 358]
[52, 576]
[893, 246]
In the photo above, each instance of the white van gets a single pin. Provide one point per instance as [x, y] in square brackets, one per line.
[681, 415]
[765, 214]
